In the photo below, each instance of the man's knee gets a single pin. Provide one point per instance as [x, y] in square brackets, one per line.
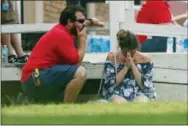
[81, 73]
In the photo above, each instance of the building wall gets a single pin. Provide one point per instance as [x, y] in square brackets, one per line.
[102, 11]
[29, 12]
[52, 10]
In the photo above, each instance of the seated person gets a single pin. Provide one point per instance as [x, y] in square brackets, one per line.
[128, 73]
[9, 13]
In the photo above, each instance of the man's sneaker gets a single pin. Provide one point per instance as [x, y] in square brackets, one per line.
[12, 58]
[22, 59]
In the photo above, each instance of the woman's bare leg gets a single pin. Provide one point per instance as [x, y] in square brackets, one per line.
[16, 43]
[5, 40]
[142, 98]
[118, 99]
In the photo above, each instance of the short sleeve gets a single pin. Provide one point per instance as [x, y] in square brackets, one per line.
[109, 78]
[147, 76]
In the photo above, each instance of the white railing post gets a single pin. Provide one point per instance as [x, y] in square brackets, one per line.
[39, 14]
[91, 11]
[18, 8]
[129, 15]
[114, 23]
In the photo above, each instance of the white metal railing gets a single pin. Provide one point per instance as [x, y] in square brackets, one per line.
[156, 30]
[179, 16]
[143, 29]
[31, 28]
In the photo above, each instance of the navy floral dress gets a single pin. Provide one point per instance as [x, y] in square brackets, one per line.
[128, 88]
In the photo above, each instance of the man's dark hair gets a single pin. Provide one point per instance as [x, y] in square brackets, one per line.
[127, 39]
[69, 13]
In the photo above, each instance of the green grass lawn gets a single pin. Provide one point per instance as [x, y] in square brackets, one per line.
[129, 113]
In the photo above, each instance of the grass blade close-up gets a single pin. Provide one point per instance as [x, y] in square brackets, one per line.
[130, 113]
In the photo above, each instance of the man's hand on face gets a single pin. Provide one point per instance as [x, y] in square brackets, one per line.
[82, 33]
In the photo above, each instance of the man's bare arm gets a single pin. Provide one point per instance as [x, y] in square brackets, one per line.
[82, 37]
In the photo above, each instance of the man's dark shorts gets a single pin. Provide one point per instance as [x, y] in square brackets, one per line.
[156, 44]
[52, 83]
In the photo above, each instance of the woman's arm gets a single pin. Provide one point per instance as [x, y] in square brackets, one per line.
[138, 76]
[120, 76]
[122, 73]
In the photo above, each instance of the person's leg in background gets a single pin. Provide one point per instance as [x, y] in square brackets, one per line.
[146, 46]
[16, 43]
[6, 40]
[12, 40]
[156, 44]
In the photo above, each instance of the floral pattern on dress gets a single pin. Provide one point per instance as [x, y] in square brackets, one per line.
[128, 88]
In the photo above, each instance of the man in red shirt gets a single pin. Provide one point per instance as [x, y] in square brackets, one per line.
[61, 77]
[154, 12]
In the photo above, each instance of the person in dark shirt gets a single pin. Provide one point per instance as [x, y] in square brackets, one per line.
[57, 61]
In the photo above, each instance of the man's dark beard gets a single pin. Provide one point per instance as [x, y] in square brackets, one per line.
[74, 31]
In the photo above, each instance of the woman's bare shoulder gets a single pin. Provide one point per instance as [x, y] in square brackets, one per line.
[143, 57]
[110, 57]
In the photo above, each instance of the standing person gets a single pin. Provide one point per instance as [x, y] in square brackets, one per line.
[9, 15]
[128, 72]
[61, 76]
[154, 12]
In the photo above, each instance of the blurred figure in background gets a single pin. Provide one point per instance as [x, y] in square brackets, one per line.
[154, 12]
[9, 15]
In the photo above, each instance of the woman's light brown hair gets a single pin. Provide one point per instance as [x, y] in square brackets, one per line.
[127, 39]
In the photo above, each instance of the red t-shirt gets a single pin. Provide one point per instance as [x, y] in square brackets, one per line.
[54, 47]
[153, 12]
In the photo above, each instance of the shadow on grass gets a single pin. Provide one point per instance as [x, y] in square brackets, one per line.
[170, 118]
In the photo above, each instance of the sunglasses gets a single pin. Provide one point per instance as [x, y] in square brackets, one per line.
[81, 21]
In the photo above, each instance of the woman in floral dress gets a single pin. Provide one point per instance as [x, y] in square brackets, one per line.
[128, 72]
